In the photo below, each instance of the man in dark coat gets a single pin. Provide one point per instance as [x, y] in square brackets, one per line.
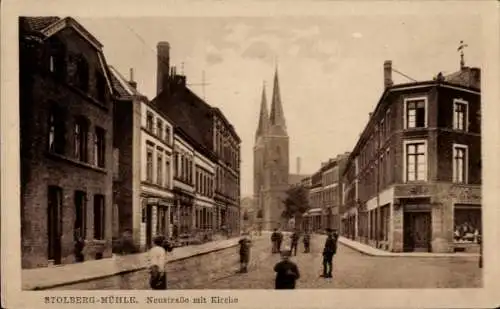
[280, 240]
[295, 242]
[274, 241]
[245, 244]
[307, 242]
[328, 252]
[287, 272]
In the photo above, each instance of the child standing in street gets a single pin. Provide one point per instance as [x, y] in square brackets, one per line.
[287, 272]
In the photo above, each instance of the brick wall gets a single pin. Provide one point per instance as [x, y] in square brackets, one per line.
[189, 273]
[41, 169]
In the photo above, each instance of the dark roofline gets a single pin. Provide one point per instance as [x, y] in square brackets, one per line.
[226, 121]
[217, 111]
[197, 146]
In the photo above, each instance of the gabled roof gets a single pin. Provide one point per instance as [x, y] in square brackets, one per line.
[123, 89]
[40, 22]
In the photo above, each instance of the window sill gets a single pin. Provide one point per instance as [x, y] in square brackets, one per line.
[76, 162]
[154, 185]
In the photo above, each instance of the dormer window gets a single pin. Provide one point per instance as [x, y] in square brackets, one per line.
[82, 68]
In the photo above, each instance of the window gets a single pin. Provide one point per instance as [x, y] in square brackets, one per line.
[167, 134]
[82, 69]
[149, 122]
[460, 115]
[100, 147]
[149, 166]
[56, 131]
[159, 170]
[167, 173]
[80, 214]
[467, 223]
[459, 163]
[81, 139]
[416, 165]
[176, 164]
[159, 128]
[57, 58]
[98, 216]
[415, 113]
[100, 86]
[54, 223]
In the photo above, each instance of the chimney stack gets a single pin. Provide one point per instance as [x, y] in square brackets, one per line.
[387, 74]
[132, 83]
[163, 66]
[298, 165]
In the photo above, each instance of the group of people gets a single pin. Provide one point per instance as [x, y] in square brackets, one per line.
[287, 272]
[277, 240]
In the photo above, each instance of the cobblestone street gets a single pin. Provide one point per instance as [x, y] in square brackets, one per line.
[355, 270]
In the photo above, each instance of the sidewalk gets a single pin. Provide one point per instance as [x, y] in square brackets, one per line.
[54, 276]
[369, 250]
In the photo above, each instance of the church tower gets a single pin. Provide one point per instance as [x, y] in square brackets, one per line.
[271, 159]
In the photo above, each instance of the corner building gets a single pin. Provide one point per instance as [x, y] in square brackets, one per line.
[66, 136]
[413, 180]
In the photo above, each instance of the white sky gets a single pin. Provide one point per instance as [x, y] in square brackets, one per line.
[330, 68]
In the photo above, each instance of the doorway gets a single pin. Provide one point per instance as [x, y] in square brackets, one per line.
[417, 231]
[54, 224]
[149, 226]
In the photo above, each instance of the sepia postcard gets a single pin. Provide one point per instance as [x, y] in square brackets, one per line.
[250, 154]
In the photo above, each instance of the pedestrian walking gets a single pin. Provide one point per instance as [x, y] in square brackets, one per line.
[287, 272]
[328, 252]
[295, 242]
[245, 244]
[307, 242]
[280, 240]
[157, 259]
[274, 241]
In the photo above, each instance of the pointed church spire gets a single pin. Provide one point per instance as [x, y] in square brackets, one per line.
[277, 116]
[263, 127]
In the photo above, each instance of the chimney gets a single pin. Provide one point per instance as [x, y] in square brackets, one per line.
[298, 165]
[131, 81]
[387, 74]
[163, 65]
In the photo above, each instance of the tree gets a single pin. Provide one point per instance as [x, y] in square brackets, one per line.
[296, 204]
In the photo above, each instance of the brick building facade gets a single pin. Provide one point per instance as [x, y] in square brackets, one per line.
[66, 143]
[413, 180]
[208, 128]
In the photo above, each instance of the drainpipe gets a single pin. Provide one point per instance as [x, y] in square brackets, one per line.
[377, 216]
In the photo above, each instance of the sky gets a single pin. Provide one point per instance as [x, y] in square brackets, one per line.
[330, 68]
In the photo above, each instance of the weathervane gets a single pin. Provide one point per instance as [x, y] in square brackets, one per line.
[461, 50]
